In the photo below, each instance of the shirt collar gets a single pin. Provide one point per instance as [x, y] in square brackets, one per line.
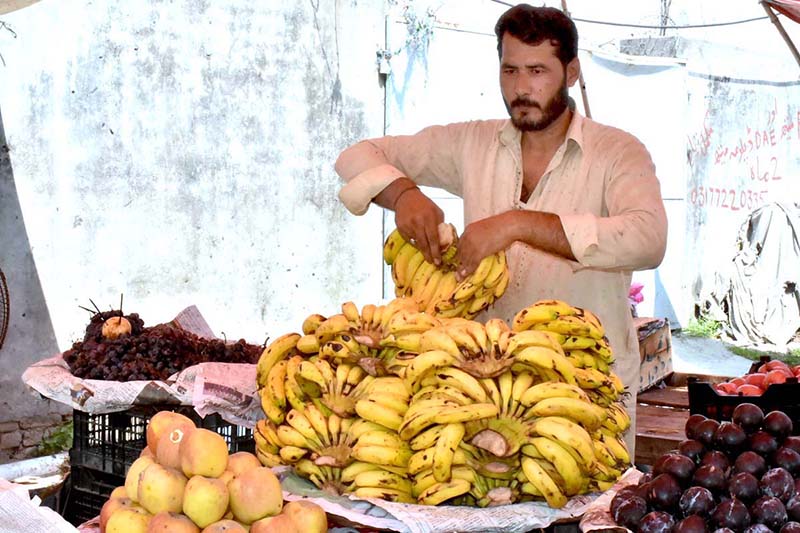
[510, 135]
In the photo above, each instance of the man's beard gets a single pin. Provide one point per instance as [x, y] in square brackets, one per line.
[551, 111]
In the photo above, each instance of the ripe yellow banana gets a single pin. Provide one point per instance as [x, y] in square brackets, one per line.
[541, 311]
[382, 455]
[277, 350]
[379, 414]
[392, 246]
[382, 479]
[289, 436]
[505, 382]
[570, 435]
[421, 277]
[492, 391]
[547, 359]
[275, 383]
[570, 326]
[308, 344]
[389, 495]
[292, 454]
[385, 438]
[466, 383]
[423, 295]
[331, 328]
[312, 322]
[447, 414]
[585, 413]
[445, 449]
[350, 312]
[444, 291]
[522, 382]
[441, 492]
[564, 463]
[319, 422]
[524, 339]
[422, 364]
[495, 274]
[544, 484]
[551, 389]
[426, 439]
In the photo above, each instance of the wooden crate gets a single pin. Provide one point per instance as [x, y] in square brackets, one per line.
[661, 414]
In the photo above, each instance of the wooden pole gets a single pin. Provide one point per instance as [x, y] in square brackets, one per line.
[581, 83]
[782, 31]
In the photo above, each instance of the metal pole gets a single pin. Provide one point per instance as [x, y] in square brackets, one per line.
[581, 83]
[782, 31]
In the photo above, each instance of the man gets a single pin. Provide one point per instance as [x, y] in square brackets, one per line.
[575, 204]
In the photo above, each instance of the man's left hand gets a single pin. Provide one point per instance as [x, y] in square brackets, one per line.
[481, 239]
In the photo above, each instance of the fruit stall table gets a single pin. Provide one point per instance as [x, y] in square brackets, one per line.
[661, 414]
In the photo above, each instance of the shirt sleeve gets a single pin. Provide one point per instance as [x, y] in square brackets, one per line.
[633, 236]
[431, 157]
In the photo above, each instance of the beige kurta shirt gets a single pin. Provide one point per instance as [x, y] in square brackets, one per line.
[601, 182]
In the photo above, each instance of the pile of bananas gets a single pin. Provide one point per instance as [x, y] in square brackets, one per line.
[435, 289]
[394, 403]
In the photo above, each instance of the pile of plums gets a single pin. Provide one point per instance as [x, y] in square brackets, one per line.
[741, 476]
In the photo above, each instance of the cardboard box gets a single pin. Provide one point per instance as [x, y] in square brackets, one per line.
[655, 350]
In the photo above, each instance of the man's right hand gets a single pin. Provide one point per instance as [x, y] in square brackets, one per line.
[417, 218]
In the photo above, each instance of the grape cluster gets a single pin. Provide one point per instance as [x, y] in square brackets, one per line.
[153, 353]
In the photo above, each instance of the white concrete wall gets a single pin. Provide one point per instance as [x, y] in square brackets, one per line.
[182, 153]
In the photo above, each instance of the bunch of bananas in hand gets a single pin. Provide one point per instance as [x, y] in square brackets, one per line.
[393, 403]
[435, 289]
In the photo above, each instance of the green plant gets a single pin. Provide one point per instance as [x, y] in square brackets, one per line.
[791, 358]
[58, 441]
[702, 327]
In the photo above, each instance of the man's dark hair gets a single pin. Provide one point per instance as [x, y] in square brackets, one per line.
[534, 25]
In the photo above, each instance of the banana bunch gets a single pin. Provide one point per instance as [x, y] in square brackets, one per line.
[435, 289]
[394, 403]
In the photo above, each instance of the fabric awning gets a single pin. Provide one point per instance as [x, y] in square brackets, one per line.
[790, 8]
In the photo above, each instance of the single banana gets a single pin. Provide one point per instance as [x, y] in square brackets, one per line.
[439, 338]
[540, 479]
[420, 280]
[505, 382]
[492, 391]
[382, 455]
[355, 468]
[308, 344]
[441, 492]
[548, 359]
[585, 413]
[424, 363]
[277, 350]
[291, 454]
[463, 381]
[289, 436]
[331, 328]
[499, 268]
[426, 439]
[551, 389]
[564, 463]
[379, 414]
[570, 326]
[392, 246]
[524, 339]
[350, 311]
[275, 383]
[311, 323]
[445, 449]
[390, 495]
[570, 435]
[522, 382]
[541, 311]
[382, 479]
[390, 400]
[319, 422]
[444, 291]
[424, 295]
[385, 438]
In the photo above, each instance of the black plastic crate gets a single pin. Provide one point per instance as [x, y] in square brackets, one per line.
[111, 442]
[85, 492]
[705, 400]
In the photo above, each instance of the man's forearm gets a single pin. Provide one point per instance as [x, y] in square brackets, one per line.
[540, 230]
[388, 197]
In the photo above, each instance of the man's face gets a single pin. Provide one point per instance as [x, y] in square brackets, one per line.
[534, 83]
